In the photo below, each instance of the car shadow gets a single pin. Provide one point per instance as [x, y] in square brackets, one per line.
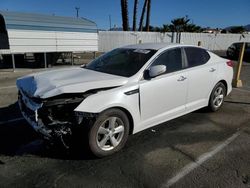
[18, 138]
[9, 112]
[237, 102]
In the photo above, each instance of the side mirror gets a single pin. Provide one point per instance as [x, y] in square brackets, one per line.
[157, 70]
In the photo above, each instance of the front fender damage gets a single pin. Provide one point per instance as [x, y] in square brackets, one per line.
[54, 118]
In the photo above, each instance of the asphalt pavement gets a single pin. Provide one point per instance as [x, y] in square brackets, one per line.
[200, 149]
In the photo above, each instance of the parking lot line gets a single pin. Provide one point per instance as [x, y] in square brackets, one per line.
[8, 87]
[11, 121]
[203, 158]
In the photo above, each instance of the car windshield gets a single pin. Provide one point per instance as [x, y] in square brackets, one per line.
[121, 61]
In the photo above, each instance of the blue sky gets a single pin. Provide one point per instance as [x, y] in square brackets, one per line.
[211, 13]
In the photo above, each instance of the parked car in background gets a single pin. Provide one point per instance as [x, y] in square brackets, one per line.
[234, 50]
[123, 92]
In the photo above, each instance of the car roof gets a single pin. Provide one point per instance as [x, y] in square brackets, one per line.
[154, 46]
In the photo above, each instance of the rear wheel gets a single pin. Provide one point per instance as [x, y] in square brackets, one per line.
[217, 97]
[109, 132]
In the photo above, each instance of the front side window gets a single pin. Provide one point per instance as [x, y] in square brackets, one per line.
[196, 56]
[121, 61]
[172, 59]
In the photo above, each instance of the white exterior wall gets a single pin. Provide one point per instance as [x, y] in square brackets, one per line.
[109, 40]
[213, 41]
[23, 41]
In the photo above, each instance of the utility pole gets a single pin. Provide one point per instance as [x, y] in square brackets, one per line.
[109, 22]
[77, 11]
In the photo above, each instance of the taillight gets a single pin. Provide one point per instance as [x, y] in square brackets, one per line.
[230, 63]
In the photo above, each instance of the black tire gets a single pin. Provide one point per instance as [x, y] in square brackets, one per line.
[212, 105]
[96, 138]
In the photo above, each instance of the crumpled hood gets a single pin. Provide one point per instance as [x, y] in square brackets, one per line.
[71, 80]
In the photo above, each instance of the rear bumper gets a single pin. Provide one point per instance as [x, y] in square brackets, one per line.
[229, 88]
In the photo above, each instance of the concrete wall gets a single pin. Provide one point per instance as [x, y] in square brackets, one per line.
[109, 40]
[22, 41]
[213, 41]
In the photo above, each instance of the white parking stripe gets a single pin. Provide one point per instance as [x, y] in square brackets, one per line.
[203, 158]
[11, 121]
[8, 87]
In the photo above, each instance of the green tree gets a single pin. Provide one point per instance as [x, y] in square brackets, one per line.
[165, 28]
[192, 28]
[179, 24]
[237, 29]
[182, 25]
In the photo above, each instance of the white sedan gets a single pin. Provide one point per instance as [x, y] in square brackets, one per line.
[124, 91]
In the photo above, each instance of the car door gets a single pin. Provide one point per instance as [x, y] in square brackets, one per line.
[201, 73]
[164, 97]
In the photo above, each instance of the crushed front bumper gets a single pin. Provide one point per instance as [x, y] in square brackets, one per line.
[29, 110]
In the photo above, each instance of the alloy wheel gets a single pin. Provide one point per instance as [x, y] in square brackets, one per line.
[218, 97]
[110, 133]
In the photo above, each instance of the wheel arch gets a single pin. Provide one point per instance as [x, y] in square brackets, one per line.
[221, 81]
[224, 83]
[130, 117]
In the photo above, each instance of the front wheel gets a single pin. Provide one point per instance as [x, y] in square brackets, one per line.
[109, 133]
[217, 97]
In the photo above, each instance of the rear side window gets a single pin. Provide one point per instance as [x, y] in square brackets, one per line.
[196, 56]
[171, 58]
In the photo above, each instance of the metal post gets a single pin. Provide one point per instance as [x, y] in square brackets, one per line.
[179, 37]
[237, 82]
[199, 43]
[13, 62]
[94, 55]
[72, 59]
[45, 60]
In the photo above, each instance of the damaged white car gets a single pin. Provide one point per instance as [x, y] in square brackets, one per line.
[123, 92]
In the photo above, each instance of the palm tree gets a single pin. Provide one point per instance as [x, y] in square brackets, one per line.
[192, 28]
[135, 14]
[148, 15]
[179, 24]
[165, 28]
[124, 8]
[142, 15]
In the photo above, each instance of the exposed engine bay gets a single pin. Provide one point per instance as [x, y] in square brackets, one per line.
[55, 117]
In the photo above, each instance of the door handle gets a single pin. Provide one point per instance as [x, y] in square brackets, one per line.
[212, 70]
[182, 78]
